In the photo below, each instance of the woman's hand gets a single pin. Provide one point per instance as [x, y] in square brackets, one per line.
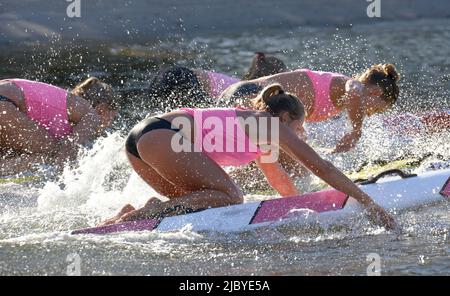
[331, 175]
[355, 114]
[379, 216]
[347, 143]
[67, 152]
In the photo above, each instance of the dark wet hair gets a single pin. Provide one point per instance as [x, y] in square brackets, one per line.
[263, 65]
[96, 92]
[275, 100]
[385, 76]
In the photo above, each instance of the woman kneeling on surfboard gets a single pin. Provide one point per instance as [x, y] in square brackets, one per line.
[42, 123]
[326, 94]
[192, 177]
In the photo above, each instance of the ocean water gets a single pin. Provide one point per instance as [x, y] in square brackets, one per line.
[36, 218]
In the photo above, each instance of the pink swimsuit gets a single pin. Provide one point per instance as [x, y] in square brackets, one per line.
[323, 106]
[219, 82]
[222, 137]
[47, 105]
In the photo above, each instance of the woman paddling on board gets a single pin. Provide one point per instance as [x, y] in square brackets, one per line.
[327, 94]
[177, 86]
[193, 179]
[42, 123]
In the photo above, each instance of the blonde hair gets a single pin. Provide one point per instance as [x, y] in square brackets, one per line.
[95, 92]
[385, 76]
[275, 100]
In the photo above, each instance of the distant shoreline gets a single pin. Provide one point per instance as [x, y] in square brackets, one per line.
[139, 21]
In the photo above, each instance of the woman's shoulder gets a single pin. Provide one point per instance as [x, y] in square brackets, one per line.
[77, 106]
[353, 86]
[11, 91]
[246, 113]
[287, 77]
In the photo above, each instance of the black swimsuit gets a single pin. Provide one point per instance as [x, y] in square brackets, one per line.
[5, 99]
[247, 89]
[177, 86]
[236, 94]
[141, 129]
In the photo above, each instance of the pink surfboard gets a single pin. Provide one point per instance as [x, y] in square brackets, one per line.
[269, 210]
[391, 193]
[322, 201]
[445, 191]
[141, 225]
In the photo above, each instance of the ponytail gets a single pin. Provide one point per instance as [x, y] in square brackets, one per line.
[263, 65]
[275, 100]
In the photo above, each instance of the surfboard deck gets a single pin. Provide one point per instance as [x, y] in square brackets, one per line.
[20, 180]
[326, 206]
[369, 170]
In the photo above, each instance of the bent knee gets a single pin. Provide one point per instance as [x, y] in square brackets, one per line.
[7, 107]
[235, 195]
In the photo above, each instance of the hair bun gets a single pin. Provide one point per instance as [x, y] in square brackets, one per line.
[260, 55]
[271, 91]
[391, 71]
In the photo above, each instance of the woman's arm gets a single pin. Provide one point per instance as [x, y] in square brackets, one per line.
[331, 175]
[24, 134]
[24, 163]
[88, 123]
[349, 140]
[278, 178]
[356, 115]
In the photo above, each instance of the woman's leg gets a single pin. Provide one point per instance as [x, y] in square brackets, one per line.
[28, 142]
[206, 184]
[18, 132]
[152, 178]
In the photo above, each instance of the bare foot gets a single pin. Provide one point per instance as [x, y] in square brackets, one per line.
[151, 206]
[152, 201]
[126, 209]
[135, 214]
